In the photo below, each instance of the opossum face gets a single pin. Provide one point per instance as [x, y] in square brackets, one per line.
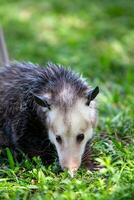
[70, 132]
[70, 129]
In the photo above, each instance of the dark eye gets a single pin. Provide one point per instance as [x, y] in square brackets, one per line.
[80, 137]
[58, 139]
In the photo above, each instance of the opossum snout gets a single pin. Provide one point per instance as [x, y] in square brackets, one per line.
[72, 172]
[72, 166]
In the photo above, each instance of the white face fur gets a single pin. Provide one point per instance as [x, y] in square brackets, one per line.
[70, 131]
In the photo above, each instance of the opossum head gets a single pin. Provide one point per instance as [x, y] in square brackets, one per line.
[70, 129]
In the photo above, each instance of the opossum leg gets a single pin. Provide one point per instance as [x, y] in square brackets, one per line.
[4, 142]
[32, 138]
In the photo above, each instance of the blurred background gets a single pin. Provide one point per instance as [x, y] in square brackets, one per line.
[95, 38]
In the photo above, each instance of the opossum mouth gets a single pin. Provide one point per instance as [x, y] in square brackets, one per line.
[72, 172]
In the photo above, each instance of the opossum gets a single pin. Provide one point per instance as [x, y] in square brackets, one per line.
[47, 108]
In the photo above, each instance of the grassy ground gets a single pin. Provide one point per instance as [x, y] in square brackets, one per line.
[95, 38]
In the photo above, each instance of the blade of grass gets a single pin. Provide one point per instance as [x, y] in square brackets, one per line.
[10, 158]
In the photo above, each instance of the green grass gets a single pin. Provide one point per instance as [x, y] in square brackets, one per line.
[95, 38]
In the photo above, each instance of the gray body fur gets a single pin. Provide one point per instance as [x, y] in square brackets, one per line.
[21, 121]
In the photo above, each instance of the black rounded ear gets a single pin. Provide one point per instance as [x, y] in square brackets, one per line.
[41, 101]
[92, 94]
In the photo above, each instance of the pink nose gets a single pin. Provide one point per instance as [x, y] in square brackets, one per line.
[70, 165]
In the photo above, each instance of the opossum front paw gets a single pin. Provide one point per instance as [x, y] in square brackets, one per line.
[91, 165]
